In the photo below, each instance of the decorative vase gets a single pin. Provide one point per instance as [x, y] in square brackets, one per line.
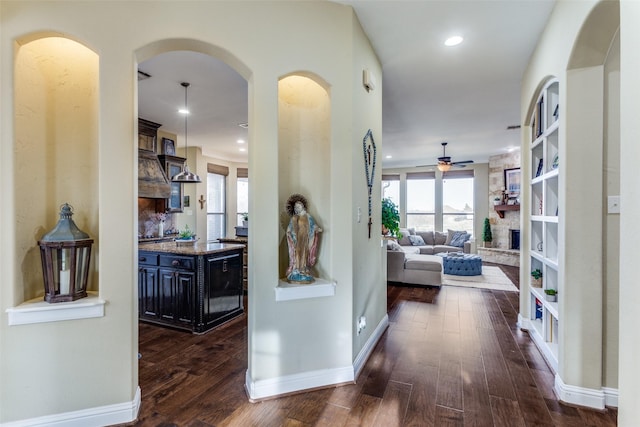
[161, 229]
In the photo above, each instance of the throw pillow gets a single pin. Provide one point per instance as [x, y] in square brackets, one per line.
[440, 237]
[416, 240]
[459, 237]
[404, 240]
[427, 236]
[392, 245]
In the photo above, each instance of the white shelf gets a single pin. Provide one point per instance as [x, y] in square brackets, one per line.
[552, 127]
[551, 307]
[320, 288]
[544, 222]
[39, 311]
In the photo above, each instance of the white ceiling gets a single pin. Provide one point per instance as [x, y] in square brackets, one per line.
[466, 95]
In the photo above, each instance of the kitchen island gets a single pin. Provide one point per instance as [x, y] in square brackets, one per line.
[193, 287]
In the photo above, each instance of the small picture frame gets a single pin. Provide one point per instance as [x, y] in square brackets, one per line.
[168, 146]
[512, 182]
[186, 201]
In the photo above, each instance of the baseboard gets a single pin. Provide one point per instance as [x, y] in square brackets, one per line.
[589, 397]
[273, 387]
[118, 413]
[365, 352]
[610, 397]
[523, 322]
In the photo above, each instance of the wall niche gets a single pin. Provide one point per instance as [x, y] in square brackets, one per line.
[304, 135]
[56, 150]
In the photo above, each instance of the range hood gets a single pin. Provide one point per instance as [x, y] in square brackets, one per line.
[152, 181]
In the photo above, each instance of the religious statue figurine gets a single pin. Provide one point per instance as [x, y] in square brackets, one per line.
[302, 240]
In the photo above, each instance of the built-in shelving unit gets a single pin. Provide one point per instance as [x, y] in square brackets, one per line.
[544, 218]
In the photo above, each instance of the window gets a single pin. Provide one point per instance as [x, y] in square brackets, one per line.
[242, 193]
[391, 188]
[421, 209]
[457, 201]
[216, 201]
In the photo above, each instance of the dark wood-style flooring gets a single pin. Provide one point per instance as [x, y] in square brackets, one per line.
[450, 357]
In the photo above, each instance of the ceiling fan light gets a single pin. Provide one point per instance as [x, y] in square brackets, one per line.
[444, 167]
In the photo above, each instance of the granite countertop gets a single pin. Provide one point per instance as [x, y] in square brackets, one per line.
[165, 238]
[198, 248]
[233, 240]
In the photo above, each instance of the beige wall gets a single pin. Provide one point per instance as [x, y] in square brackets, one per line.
[328, 43]
[611, 225]
[629, 373]
[574, 49]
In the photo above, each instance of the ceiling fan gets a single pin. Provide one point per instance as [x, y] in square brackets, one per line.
[445, 163]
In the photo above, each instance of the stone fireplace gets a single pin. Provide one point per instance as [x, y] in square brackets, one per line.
[506, 228]
[514, 239]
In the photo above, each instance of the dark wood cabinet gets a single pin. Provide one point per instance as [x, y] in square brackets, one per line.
[147, 135]
[245, 258]
[222, 289]
[192, 292]
[148, 291]
[172, 166]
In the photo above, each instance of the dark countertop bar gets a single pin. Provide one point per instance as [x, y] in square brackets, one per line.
[198, 248]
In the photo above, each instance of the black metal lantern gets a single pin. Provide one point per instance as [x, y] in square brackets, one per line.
[65, 252]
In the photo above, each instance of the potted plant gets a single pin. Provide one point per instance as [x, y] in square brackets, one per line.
[497, 201]
[551, 295]
[537, 278]
[245, 218]
[390, 219]
[186, 234]
[487, 237]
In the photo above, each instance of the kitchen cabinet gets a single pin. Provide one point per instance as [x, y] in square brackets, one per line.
[245, 257]
[147, 135]
[192, 288]
[172, 166]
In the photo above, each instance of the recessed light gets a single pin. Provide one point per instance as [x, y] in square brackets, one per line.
[389, 157]
[242, 149]
[453, 41]
[183, 111]
[240, 141]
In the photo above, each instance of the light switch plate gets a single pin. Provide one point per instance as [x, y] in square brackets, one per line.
[613, 204]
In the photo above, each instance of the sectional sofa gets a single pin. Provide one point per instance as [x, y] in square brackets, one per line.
[412, 260]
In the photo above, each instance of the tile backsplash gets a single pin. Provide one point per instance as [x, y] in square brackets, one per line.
[148, 220]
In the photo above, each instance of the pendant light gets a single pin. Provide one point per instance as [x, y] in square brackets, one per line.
[186, 176]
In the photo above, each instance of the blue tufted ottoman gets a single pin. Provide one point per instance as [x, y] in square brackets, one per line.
[461, 264]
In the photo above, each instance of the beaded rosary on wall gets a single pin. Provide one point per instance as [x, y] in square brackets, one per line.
[369, 167]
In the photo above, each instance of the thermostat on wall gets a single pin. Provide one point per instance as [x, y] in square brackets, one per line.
[368, 80]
